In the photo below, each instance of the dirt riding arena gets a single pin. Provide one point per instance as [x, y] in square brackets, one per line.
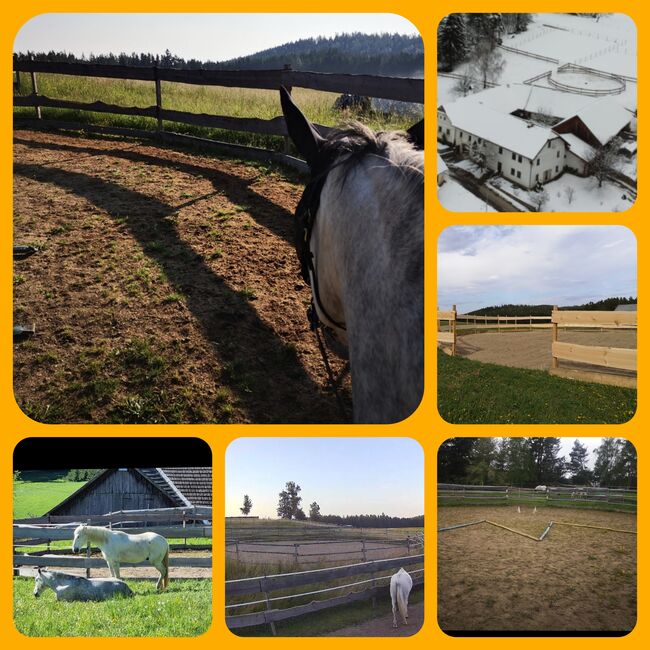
[166, 288]
[315, 552]
[576, 579]
[533, 349]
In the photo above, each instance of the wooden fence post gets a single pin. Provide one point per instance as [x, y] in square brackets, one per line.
[554, 359]
[268, 607]
[35, 92]
[363, 550]
[295, 552]
[158, 99]
[237, 550]
[287, 140]
[531, 323]
[453, 329]
[17, 73]
[498, 324]
[88, 556]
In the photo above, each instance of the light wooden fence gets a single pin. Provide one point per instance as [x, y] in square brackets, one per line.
[501, 323]
[394, 88]
[617, 359]
[266, 585]
[448, 335]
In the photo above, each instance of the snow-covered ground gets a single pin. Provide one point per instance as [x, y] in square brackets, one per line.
[470, 167]
[456, 198]
[587, 196]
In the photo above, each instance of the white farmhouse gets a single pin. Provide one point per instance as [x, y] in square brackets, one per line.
[443, 171]
[522, 152]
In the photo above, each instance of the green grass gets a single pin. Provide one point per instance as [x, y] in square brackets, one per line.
[513, 500]
[471, 392]
[233, 102]
[34, 498]
[184, 609]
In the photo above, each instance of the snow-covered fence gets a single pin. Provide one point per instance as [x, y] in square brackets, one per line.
[617, 359]
[515, 50]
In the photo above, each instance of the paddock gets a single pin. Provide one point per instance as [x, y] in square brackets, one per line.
[575, 579]
[532, 349]
[166, 288]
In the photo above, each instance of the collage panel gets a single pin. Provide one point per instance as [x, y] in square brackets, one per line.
[120, 551]
[537, 324]
[537, 536]
[324, 537]
[188, 240]
[537, 112]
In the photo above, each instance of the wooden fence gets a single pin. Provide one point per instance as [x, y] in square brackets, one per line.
[447, 335]
[618, 359]
[266, 585]
[393, 88]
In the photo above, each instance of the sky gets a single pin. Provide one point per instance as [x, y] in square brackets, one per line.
[345, 476]
[481, 266]
[216, 37]
[566, 444]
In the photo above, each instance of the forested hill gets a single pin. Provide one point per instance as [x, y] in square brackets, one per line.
[387, 54]
[608, 304]
[383, 54]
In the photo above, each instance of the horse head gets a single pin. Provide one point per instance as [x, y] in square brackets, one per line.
[79, 539]
[39, 582]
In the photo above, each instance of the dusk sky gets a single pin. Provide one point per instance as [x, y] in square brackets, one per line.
[481, 266]
[345, 476]
[215, 37]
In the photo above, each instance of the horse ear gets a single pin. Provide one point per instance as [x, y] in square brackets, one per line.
[307, 140]
[416, 134]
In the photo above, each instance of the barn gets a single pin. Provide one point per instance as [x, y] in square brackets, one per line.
[139, 489]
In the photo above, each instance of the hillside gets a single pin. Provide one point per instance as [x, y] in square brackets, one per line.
[607, 304]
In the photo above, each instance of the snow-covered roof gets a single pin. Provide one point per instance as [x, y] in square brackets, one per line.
[604, 118]
[442, 167]
[577, 146]
[506, 131]
[514, 96]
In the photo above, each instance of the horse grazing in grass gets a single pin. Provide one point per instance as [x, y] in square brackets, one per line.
[401, 584]
[360, 241]
[117, 547]
[69, 587]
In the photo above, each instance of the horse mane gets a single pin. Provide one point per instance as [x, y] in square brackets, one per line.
[355, 141]
[95, 533]
[68, 576]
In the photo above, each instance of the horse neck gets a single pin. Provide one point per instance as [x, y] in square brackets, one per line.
[96, 534]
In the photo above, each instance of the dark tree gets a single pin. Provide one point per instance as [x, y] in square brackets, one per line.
[548, 466]
[453, 459]
[579, 472]
[452, 42]
[247, 507]
[314, 511]
[300, 515]
[289, 501]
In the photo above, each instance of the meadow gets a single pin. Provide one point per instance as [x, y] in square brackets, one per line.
[184, 609]
[232, 102]
[472, 392]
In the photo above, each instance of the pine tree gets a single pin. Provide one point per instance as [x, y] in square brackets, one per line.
[247, 507]
[579, 472]
[452, 43]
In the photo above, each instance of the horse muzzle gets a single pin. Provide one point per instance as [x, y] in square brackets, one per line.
[36, 594]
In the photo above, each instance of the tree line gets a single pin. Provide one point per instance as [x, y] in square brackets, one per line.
[289, 507]
[607, 304]
[387, 54]
[528, 462]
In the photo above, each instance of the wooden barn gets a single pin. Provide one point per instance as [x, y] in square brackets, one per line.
[139, 489]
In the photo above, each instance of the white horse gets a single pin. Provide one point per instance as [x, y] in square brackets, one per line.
[360, 240]
[69, 587]
[401, 584]
[541, 488]
[117, 547]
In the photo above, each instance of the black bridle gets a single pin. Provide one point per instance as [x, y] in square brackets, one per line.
[305, 221]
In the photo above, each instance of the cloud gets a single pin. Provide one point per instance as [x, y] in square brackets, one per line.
[479, 266]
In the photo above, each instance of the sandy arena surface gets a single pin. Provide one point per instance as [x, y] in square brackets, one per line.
[576, 579]
[533, 349]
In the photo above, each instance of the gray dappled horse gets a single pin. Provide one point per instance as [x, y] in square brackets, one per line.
[360, 240]
[69, 587]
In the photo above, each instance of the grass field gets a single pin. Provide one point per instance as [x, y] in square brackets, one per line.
[471, 392]
[39, 492]
[231, 102]
[538, 503]
[184, 609]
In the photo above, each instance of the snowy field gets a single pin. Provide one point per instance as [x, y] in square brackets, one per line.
[456, 198]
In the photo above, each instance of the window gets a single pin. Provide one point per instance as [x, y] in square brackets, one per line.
[518, 174]
[519, 158]
[500, 149]
[480, 141]
[439, 129]
[514, 157]
[538, 162]
[548, 146]
[536, 177]
[512, 171]
[558, 154]
[469, 138]
[461, 134]
[557, 169]
[447, 131]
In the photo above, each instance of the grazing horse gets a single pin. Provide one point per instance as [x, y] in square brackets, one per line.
[117, 547]
[360, 241]
[400, 588]
[76, 588]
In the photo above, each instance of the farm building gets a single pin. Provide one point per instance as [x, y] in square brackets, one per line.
[524, 153]
[625, 308]
[443, 171]
[598, 123]
[139, 489]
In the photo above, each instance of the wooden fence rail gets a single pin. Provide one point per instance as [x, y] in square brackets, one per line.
[83, 562]
[449, 335]
[47, 533]
[393, 88]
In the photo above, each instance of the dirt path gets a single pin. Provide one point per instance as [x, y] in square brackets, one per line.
[166, 288]
[383, 626]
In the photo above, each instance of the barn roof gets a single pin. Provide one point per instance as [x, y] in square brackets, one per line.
[442, 167]
[183, 486]
[604, 118]
[625, 308]
[579, 147]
